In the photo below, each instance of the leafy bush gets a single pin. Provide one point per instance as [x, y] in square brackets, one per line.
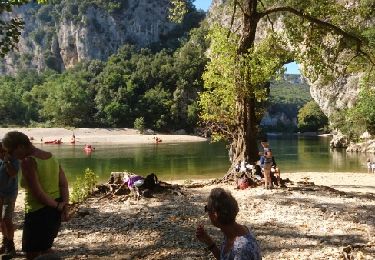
[311, 117]
[360, 118]
[363, 113]
[83, 187]
[139, 124]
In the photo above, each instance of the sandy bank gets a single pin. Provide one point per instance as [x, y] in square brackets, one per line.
[98, 135]
[343, 181]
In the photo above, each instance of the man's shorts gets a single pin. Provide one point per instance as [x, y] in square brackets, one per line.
[8, 207]
[40, 229]
[267, 166]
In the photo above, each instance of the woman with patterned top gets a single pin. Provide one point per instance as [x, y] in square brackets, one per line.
[239, 242]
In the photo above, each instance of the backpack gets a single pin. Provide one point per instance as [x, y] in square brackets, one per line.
[243, 183]
[150, 181]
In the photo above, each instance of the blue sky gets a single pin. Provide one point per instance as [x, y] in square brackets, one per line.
[202, 4]
[291, 68]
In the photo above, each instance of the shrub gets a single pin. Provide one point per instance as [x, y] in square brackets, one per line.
[83, 187]
[311, 117]
[139, 124]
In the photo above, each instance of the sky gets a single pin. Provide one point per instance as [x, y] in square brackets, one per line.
[202, 4]
[291, 68]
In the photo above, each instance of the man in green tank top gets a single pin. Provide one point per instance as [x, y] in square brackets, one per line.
[46, 194]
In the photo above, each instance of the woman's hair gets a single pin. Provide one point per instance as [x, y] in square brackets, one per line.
[14, 139]
[224, 204]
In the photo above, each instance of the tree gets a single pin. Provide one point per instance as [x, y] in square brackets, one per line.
[10, 29]
[354, 121]
[311, 117]
[326, 36]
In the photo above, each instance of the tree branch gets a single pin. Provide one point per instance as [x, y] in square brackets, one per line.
[334, 28]
[232, 18]
[268, 17]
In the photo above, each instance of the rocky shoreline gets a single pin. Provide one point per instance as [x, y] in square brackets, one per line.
[302, 221]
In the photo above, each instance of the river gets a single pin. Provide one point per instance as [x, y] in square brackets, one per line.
[203, 159]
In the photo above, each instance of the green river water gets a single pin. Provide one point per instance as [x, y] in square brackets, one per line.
[202, 159]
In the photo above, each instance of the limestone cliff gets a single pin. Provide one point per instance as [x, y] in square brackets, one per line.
[60, 35]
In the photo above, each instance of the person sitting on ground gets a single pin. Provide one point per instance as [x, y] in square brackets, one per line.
[239, 242]
[238, 166]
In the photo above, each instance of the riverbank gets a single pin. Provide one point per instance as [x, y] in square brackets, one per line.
[298, 222]
[99, 135]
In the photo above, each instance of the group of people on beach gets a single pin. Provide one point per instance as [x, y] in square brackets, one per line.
[268, 170]
[370, 166]
[46, 196]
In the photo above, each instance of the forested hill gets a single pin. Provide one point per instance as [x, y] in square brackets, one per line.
[135, 87]
[62, 33]
[287, 96]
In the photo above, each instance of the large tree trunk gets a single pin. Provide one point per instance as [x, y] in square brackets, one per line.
[244, 144]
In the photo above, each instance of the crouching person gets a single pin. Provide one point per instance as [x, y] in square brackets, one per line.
[46, 194]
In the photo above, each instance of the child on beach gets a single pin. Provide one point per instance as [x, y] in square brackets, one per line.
[8, 195]
[369, 165]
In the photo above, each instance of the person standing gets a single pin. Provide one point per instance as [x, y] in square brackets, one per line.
[8, 194]
[46, 194]
[267, 159]
[369, 165]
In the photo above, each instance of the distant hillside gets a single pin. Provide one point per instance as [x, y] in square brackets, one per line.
[287, 96]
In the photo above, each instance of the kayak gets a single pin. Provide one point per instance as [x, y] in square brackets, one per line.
[53, 142]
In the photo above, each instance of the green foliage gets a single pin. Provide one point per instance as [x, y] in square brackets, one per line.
[311, 117]
[134, 83]
[83, 187]
[286, 98]
[139, 124]
[363, 113]
[63, 100]
[218, 100]
[10, 29]
[223, 90]
[178, 9]
[361, 117]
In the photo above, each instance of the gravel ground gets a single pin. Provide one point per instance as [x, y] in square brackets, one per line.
[298, 222]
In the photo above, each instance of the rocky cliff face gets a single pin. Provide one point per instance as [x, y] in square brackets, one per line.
[58, 36]
[337, 95]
